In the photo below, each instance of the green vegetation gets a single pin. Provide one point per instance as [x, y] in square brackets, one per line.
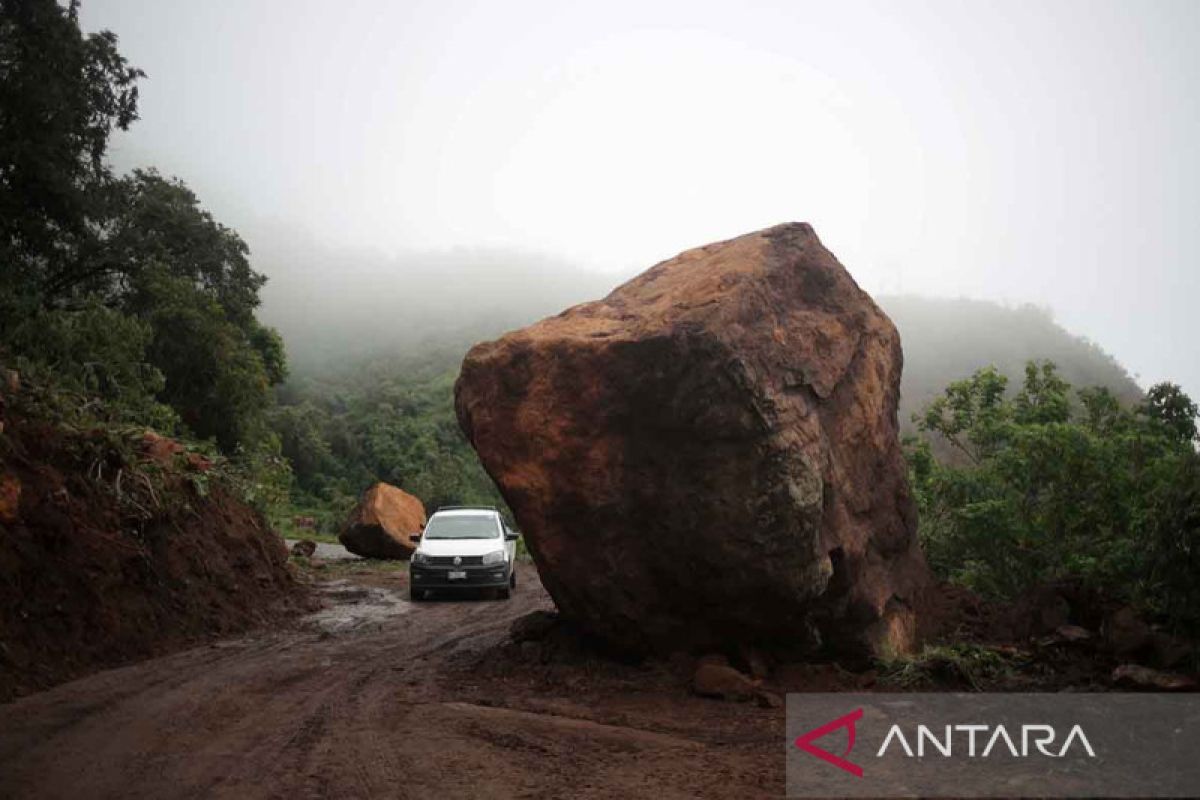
[947, 339]
[1057, 484]
[103, 438]
[326, 520]
[972, 666]
[120, 292]
[131, 307]
[389, 419]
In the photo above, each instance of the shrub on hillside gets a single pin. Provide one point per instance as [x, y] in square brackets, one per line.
[1057, 484]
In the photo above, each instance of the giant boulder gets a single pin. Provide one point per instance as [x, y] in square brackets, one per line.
[708, 457]
[383, 522]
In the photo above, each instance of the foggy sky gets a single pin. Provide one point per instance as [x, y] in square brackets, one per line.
[1044, 152]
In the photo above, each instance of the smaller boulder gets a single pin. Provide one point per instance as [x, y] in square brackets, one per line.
[10, 497]
[533, 627]
[757, 663]
[532, 652]
[1070, 634]
[1125, 632]
[713, 658]
[1169, 651]
[723, 682]
[161, 449]
[767, 699]
[1136, 676]
[1040, 611]
[383, 523]
[305, 548]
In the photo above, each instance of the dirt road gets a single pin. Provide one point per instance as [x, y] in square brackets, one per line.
[377, 697]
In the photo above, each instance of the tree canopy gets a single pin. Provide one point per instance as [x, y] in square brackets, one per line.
[165, 293]
[1062, 484]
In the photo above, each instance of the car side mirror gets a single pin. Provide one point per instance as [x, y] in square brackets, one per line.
[511, 536]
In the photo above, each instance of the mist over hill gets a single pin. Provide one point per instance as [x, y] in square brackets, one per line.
[947, 339]
[396, 313]
[375, 351]
[335, 310]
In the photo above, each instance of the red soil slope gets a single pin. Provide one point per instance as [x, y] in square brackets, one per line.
[113, 549]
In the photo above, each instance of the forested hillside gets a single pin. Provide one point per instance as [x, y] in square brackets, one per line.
[127, 316]
[947, 339]
[118, 287]
[344, 423]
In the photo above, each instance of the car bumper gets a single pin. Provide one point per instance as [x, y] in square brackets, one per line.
[475, 577]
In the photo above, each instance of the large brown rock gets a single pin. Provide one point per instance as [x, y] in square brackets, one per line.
[383, 522]
[709, 455]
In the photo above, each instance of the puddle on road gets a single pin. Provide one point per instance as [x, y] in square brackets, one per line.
[351, 607]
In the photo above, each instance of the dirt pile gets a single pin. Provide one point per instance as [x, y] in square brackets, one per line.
[708, 457]
[382, 524]
[113, 549]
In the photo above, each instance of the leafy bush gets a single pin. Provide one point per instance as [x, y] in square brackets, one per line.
[1059, 484]
[387, 420]
[94, 356]
[124, 287]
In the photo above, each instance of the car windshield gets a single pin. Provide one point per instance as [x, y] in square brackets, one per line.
[474, 526]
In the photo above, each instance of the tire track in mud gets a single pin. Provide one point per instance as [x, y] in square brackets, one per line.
[363, 712]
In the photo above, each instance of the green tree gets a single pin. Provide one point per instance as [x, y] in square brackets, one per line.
[1053, 490]
[381, 420]
[301, 431]
[971, 415]
[189, 277]
[78, 245]
[215, 379]
[1169, 406]
[97, 352]
[61, 95]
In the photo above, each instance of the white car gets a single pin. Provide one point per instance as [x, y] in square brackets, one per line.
[464, 548]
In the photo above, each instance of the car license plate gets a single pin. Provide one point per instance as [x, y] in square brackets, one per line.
[457, 576]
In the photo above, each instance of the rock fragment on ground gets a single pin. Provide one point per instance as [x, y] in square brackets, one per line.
[534, 626]
[1137, 676]
[1125, 632]
[304, 548]
[723, 682]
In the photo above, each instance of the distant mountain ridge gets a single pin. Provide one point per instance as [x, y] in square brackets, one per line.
[947, 339]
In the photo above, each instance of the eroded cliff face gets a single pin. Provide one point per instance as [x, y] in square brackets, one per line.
[709, 456]
[117, 546]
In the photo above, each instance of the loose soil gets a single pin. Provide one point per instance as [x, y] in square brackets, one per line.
[115, 546]
[374, 696]
[428, 700]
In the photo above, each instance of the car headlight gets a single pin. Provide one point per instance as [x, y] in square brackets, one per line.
[494, 557]
[420, 558]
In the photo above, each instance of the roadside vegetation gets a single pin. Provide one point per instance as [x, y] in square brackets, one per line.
[123, 303]
[388, 420]
[1057, 484]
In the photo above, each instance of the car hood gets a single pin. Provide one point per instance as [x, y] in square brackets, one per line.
[459, 547]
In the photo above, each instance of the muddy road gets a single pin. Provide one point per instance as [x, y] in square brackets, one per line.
[378, 697]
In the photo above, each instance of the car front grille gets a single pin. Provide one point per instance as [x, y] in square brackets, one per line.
[448, 561]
